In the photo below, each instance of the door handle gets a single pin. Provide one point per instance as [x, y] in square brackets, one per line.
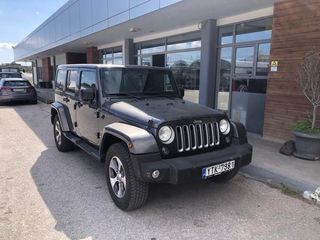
[66, 99]
[79, 104]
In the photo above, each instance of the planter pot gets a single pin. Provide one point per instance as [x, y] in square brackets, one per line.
[307, 146]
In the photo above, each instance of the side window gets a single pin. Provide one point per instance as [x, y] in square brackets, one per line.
[72, 81]
[88, 79]
[61, 79]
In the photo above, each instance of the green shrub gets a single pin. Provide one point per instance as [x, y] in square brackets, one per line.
[305, 126]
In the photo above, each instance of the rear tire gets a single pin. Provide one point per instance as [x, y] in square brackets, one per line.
[126, 191]
[63, 144]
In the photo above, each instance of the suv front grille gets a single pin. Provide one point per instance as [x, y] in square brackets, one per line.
[197, 136]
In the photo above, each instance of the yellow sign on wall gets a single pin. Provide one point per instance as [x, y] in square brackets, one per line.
[274, 66]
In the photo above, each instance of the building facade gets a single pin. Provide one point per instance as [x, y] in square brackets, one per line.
[220, 51]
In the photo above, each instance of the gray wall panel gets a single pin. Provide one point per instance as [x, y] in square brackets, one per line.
[144, 8]
[79, 18]
[134, 3]
[85, 14]
[164, 3]
[120, 18]
[117, 6]
[100, 10]
[74, 16]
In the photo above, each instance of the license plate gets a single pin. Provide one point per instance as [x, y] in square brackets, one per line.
[19, 90]
[218, 169]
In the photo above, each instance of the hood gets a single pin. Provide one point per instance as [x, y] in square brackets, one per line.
[158, 110]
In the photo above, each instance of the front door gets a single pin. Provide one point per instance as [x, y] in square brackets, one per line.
[87, 118]
[243, 83]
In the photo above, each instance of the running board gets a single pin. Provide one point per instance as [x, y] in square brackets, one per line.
[83, 145]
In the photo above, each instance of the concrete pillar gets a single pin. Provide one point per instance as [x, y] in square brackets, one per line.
[128, 52]
[92, 55]
[47, 74]
[208, 65]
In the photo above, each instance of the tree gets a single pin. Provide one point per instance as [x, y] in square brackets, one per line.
[309, 80]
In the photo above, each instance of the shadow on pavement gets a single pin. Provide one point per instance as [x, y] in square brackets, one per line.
[72, 185]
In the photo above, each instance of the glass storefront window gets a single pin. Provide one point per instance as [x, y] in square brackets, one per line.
[244, 60]
[224, 78]
[226, 35]
[254, 30]
[263, 59]
[186, 70]
[185, 45]
[151, 50]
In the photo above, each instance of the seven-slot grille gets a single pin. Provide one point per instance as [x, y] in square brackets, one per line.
[197, 136]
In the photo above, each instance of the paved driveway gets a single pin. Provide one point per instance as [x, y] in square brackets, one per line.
[45, 194]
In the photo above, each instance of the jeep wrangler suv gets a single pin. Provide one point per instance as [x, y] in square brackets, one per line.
[135, 121]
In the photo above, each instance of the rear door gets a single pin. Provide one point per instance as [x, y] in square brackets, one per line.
[87, 112]
[70, 95]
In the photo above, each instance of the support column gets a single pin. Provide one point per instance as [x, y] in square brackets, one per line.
[47, 75]
[92, 55]
[208, 67]
[128, 52]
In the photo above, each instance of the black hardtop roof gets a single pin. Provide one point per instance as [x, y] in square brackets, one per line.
[108, 66]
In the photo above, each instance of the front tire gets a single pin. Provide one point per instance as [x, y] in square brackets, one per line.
[63, 144]
[126, 191]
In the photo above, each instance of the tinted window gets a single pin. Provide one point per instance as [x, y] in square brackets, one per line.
[253, 31]
[16, 84]
[61, 79]
[72, 80]
[88, 79]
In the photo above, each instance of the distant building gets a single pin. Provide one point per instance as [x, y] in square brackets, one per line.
[220, 51]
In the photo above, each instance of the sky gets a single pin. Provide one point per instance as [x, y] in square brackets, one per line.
[18, 18]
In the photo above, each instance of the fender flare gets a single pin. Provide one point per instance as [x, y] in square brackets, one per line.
[63, 115]
[138, 140]
[239, 132]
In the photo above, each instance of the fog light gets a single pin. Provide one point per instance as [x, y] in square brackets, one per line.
[165, 151]
[155, 174]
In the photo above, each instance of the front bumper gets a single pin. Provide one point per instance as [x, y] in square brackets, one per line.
[187, 169]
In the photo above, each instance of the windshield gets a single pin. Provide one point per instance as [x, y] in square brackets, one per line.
[124, 81]
[16, 84]
[10, 75]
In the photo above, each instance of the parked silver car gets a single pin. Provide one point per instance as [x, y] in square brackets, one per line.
[17, 89]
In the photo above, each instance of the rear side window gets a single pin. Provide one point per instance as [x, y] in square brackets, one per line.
[61, 79]
[72, 81]
[16, 84]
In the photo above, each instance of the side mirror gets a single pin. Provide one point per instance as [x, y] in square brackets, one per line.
[181, 91]
[87, 94]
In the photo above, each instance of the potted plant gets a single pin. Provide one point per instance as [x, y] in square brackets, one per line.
[307, 131]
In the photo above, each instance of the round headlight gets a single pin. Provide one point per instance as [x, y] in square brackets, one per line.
[224, 126]
[166, 134]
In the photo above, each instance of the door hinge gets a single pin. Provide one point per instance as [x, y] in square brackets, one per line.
[75, 124]
[98, 135]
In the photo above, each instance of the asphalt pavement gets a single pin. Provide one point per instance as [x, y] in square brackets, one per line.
[46, 194]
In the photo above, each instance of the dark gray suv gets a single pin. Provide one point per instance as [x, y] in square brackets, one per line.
[135, 121]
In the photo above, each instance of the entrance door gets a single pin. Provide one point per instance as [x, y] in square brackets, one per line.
[242, 90]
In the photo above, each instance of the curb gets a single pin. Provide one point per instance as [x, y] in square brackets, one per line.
[275, 179]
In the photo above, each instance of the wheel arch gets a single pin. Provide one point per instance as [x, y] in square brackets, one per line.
[58, 109]
[138, 140]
